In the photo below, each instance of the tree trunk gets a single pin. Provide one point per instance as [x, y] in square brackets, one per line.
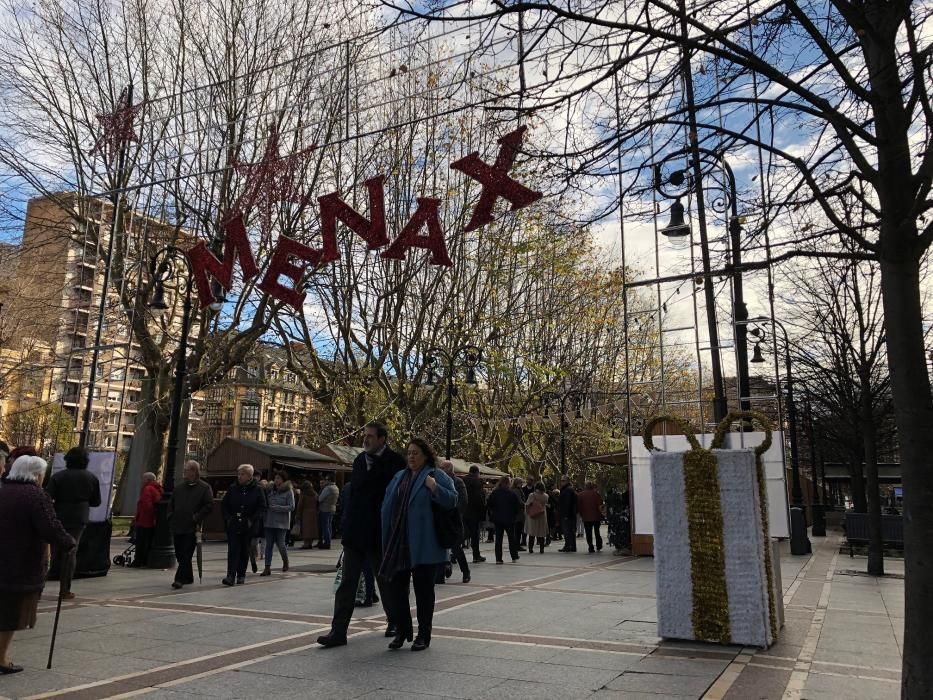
[857, 483]
[875, 540]
[910, 387]
[145, 450]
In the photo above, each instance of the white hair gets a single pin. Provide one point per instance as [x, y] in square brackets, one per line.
[27, 468]
[148, 476]
[246, 468]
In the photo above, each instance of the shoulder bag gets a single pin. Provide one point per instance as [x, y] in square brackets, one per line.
[447, 524]
[534, 509]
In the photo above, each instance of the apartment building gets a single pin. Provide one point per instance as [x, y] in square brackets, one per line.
[259, 400]
[52, 293]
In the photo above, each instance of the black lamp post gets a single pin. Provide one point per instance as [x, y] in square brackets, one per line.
[560, 401]
[680, 182]
[819, 519]
[799, 542]
[450, 362]
[167, 264]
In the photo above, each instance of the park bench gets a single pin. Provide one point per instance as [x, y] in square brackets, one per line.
[856, 526]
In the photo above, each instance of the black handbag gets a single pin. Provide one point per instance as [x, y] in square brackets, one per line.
[447, 525]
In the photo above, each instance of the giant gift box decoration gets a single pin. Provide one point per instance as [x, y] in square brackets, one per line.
[712, 549]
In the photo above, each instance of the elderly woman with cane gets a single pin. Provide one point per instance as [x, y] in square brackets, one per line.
[27, 525]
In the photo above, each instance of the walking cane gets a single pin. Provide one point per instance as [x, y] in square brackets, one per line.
[199, 537]
[66, 572]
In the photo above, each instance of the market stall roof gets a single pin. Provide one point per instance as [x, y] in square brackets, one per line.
[462, 466]
[347, 453]
[231, 452]
[613, 459]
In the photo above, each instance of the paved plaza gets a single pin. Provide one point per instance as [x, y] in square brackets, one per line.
[549, 626]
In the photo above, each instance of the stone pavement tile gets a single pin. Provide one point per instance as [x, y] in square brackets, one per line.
[491, 650]
[756, 683]
[168, 694]
[429, 682]
[249, 634]
[859, 647]
[104, 643]
[33, 682]
[826, 687]
[611, 581]
[574, 676]
[808, 593]
[87, 664]
[383, 694]
[647, 629]
[792, 636]
[887, 658]
[658, 683]
[178, 651]
[676, 666]
[156, 630]
[885, 673]
[595, 659]
[522, 690]
[245, 684]
[606, 694]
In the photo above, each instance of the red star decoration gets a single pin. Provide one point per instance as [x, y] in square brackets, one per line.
[117, 127]
[273, 179]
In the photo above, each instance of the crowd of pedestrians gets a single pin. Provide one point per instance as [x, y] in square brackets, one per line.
[389, 514]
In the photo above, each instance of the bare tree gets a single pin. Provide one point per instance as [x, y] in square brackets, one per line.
[851, 78]
[214, 85]
[843, 360]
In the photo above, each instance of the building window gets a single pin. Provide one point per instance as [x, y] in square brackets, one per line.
[249, 414]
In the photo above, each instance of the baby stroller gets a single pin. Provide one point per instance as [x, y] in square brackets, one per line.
[126, 558]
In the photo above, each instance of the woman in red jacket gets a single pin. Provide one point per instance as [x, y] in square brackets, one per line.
[145, 521]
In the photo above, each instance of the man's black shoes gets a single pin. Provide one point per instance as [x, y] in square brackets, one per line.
[390, 631]
[331, 640]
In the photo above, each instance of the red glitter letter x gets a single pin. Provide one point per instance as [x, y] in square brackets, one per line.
[496, 181]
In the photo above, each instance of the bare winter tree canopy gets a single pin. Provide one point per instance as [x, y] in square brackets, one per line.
[830, 100]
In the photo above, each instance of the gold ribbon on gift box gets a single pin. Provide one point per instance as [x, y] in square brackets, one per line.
[705, 523]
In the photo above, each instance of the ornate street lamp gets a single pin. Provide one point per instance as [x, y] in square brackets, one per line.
[171, 265]
[799, 542]
[560, 401]
[444, 365]
[674, 183]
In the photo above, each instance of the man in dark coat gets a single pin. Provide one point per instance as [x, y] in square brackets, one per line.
[192, 501]
[456, 552]
[373, 469]
[504, 506]
[243, 508]
[567, 511]
[475, 510]
[74, 491]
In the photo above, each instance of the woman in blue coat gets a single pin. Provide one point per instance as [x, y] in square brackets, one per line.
[410, 548]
